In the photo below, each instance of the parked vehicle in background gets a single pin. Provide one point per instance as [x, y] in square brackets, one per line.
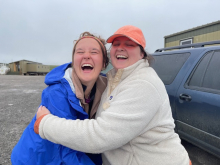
[191, 74]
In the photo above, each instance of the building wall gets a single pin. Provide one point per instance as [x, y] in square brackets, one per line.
[196, 39]
[174, 43]
[207, 37]
[209, 32]
[43, 68]
[36, 67]
[15, 67]
[25, 66]
[22, 66]
[10, 66]
[32, 67]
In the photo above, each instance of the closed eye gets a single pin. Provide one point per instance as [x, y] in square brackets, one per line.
[95, 51]
[130, 45]
[80, 52]
[115, 44]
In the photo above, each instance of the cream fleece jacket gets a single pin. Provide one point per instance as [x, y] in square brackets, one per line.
[133, 125]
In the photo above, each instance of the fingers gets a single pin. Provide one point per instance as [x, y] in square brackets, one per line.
[39, 108]
[42, 110]
[45, 110]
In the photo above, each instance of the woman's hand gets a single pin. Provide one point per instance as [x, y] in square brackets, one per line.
[42, 110]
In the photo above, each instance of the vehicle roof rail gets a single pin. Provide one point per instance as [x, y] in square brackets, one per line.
[196, 45]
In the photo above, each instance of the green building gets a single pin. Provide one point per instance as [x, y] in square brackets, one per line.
[204, 33]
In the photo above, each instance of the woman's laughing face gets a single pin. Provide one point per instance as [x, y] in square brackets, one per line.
[88, 60]
[124, 52]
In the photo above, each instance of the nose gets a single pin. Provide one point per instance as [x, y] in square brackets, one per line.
[120, 47]
[86, 55]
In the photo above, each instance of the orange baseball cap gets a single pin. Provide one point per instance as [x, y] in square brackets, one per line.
[132, 32]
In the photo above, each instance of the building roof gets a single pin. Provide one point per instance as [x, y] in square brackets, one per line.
[195, 28]
[25, 60]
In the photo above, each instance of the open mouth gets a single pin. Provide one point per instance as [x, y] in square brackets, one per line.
[87, 67]
[121, 57]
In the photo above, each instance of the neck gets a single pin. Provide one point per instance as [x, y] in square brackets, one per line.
[88, 90]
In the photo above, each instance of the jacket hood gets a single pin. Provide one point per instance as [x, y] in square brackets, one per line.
[56, 74]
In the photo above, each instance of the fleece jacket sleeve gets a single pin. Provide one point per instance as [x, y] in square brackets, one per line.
[132, 109]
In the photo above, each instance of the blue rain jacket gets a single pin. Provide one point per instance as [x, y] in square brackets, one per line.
[59, 98]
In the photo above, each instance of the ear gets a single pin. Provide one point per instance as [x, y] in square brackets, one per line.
[142, 55]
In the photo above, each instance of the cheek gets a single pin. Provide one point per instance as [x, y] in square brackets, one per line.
[111, 56]
[112, 51]
[76, 60]
[99, 62]
[139, 55]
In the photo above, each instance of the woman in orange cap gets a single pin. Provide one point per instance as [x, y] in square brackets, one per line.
[134, 123]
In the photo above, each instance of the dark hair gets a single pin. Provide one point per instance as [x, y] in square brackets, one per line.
[147, 56]
[101, 43]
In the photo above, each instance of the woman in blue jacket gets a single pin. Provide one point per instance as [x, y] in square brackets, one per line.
[74, 91]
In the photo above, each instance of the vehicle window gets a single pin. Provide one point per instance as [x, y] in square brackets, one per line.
[212, 75]
[207, 74]
[197, 77]
[167, 66]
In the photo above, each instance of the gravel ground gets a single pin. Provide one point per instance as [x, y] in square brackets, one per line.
[20, 97]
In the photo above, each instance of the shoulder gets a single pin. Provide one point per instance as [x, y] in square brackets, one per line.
[56, 74]
[55, 90]
[144, 74]
[146, 79]
[102, 79]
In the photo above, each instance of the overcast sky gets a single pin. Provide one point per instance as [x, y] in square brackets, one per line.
[44, 30]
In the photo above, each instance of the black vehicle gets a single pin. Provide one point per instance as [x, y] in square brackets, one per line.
[191, 74]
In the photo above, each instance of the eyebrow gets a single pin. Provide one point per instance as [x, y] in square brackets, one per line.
[95, 49]
[79, 49]
[91, 49]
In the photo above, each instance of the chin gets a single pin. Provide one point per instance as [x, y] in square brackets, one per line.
[120, 67]
[89, 79]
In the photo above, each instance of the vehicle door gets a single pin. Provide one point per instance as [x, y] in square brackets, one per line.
[168, 67]
[198, 104]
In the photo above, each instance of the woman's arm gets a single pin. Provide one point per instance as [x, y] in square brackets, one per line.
[130, 112]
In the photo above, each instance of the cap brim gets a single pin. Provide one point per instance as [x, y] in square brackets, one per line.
[111, 38]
